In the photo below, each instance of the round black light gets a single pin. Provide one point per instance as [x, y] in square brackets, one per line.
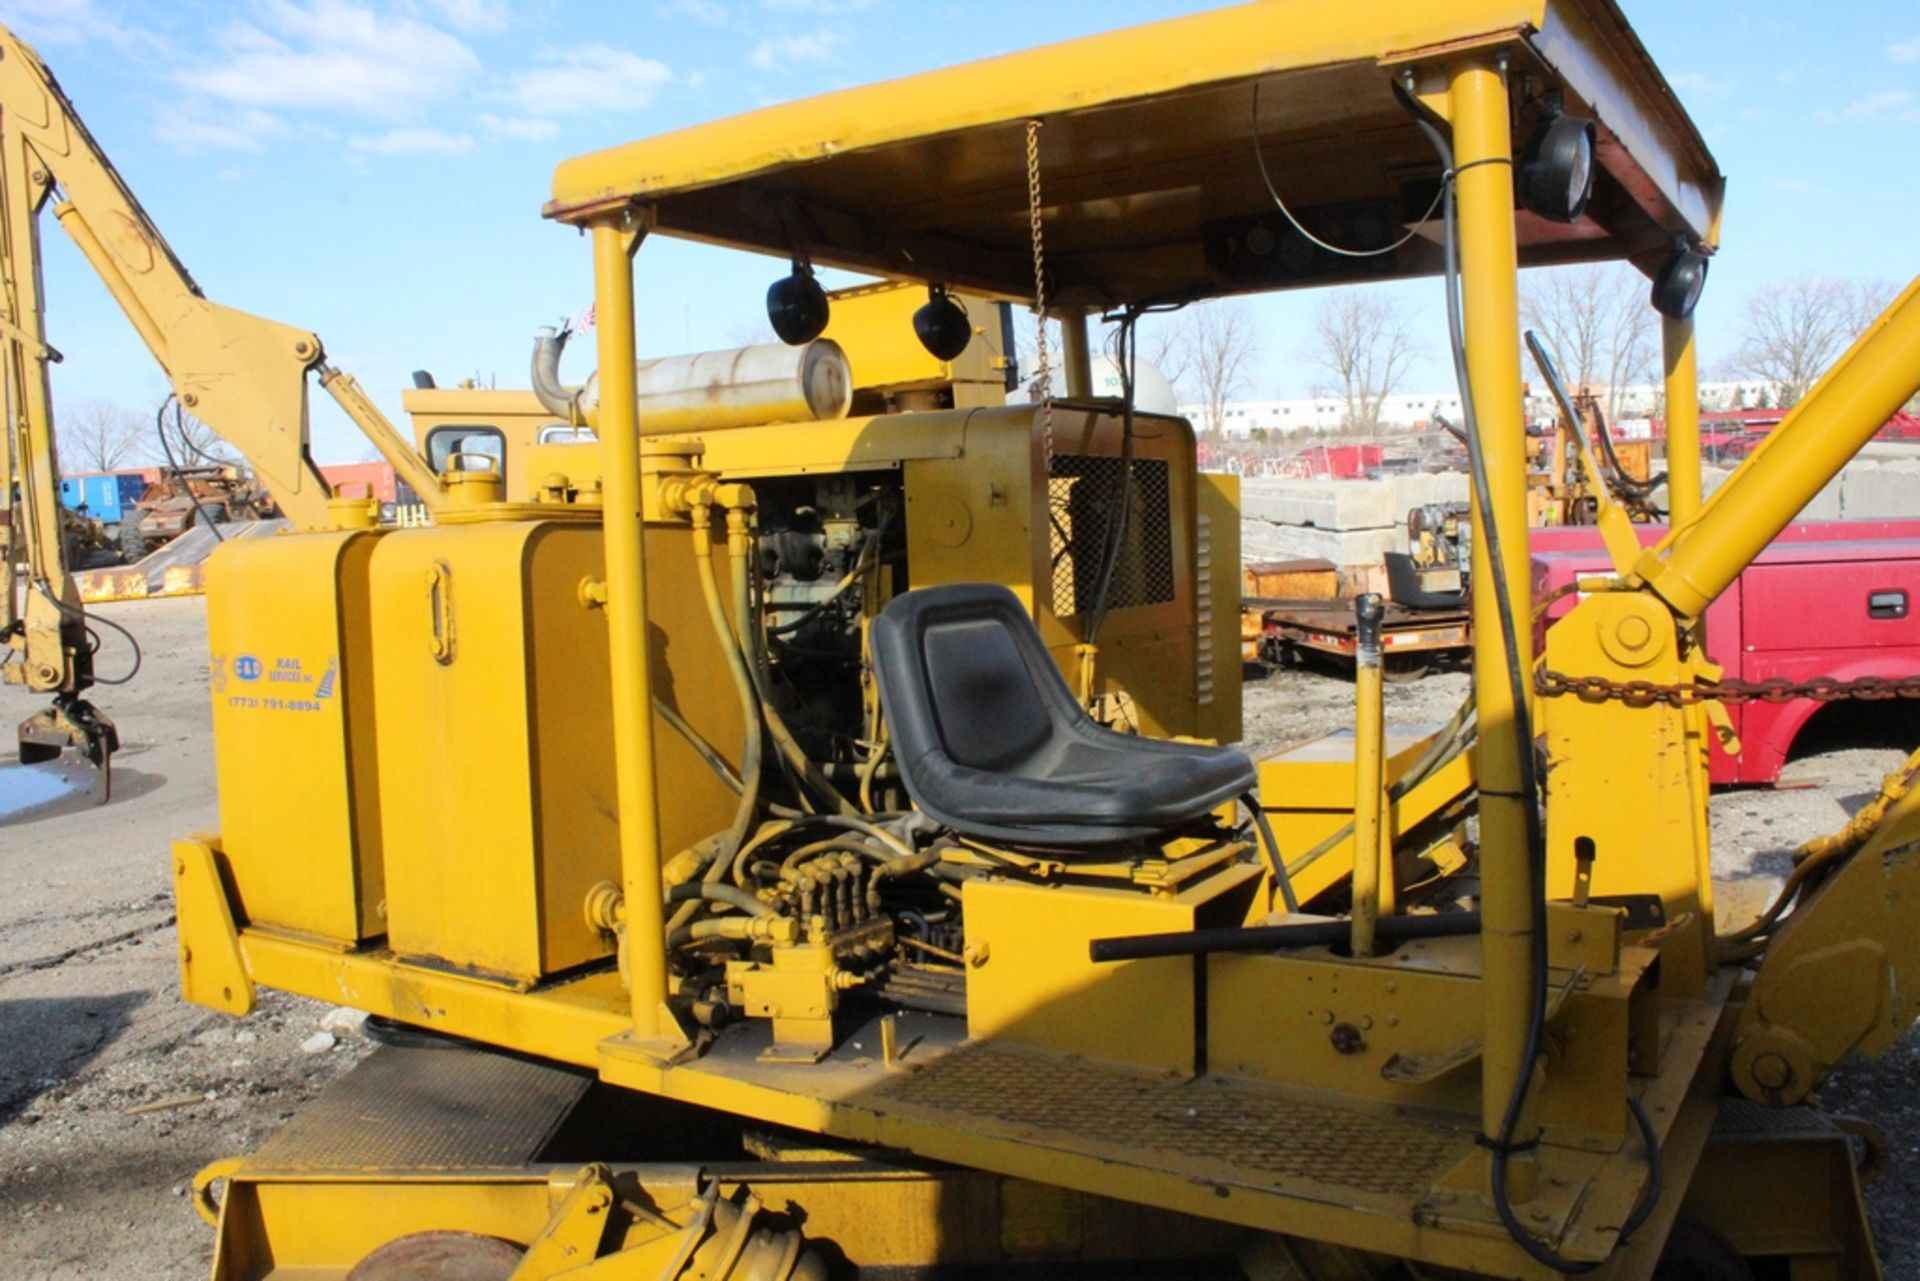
[1555, 179]
[1679, 282]
[797, 306]
[941, 325]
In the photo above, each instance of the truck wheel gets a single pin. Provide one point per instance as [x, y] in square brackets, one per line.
[132, 546]
[1404, 669]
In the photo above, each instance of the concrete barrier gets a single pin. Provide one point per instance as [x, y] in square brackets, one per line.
[1880, 490]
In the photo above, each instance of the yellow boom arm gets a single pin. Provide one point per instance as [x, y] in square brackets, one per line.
[243, 375]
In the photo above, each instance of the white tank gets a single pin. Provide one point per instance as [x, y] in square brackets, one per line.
[743, 387]
[1152, 393]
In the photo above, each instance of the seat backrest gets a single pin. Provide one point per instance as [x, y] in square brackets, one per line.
[983, 697]
[962, 670]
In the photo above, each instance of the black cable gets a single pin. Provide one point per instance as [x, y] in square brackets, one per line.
[1631, 490]
[1280, 877]
[1117, 517]
[160, 425]
[87, 621]
[1502, 1145]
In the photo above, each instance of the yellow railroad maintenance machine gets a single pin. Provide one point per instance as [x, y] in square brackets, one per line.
[789, 838]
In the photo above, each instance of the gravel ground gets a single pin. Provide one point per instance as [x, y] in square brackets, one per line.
[91, 1025]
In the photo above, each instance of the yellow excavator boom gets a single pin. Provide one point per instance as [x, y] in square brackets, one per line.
[243, 375]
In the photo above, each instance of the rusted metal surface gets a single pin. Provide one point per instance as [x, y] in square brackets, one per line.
[439, 1256]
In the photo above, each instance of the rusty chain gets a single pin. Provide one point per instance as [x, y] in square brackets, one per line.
[1043, 366]
[1821, 689]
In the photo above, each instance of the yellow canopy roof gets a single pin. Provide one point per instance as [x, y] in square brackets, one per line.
[1147, 158]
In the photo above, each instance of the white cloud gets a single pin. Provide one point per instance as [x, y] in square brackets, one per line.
[415, 142]
[814, 46]
[816, 6]
[476, 17]
[592, 77]
[1905, 51]
[333, 55]
[1888, 104]
[75, 22]
[1699, 85]
[711, 12]
[527, 128]
[192, 129]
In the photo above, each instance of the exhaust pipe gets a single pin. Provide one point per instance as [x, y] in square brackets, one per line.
[555, 397]
[708, 390]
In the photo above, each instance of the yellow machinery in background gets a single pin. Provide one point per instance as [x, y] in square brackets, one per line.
[242, 375]
[716, 812]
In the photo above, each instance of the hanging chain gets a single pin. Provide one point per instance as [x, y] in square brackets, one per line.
[1821, 689]
[1043, 365]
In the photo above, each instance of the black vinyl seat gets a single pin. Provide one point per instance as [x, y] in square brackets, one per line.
[992, 743]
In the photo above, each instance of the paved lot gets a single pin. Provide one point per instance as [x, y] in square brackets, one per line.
[91, 1026]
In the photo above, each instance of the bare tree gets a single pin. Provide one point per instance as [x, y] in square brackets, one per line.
[99, 435]
[194, 444]
[1218, 341]
[1164, 344]
[1364, 339]
[1599, 325]
[1795, 329]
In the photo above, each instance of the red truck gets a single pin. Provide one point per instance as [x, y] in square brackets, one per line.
[1828, 598]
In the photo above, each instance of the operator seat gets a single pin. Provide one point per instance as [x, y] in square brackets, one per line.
[992, 743]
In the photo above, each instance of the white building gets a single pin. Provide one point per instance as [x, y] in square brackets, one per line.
[1318, 414]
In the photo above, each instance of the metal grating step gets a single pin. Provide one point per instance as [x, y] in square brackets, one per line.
[1221, 1130]
[441, 1108]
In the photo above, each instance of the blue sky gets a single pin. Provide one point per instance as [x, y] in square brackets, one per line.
[373, 169]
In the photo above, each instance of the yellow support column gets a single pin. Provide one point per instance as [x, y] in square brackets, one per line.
[1683, 420]
[1076, 352]
[1483, 150]
[1369, 773]
[614, 239]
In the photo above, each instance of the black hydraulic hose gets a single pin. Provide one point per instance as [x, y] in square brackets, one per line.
[1272, 847]
[1638, 488]
[87, 621]
[160, 426]
[1276, 938]
[1502, 1144]
[1117, 518]
[1550, 370]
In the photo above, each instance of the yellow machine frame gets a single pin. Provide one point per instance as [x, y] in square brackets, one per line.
[520, 727]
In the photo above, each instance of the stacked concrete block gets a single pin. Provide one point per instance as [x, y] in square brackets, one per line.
[1880, 490]
[1320, 504]
[1352, 523]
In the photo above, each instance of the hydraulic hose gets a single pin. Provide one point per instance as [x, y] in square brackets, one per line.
[731, 895]
[1117, 517]
[1279, 865]
[721, 854]
[1502, 1144]
[1454, 738]
[166, 447]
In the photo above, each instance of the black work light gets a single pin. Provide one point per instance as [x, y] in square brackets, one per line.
[1679, 282]
[797, 306]
[941, 325]
[1555, 178]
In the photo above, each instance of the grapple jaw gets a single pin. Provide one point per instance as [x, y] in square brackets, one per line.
[72, 722]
